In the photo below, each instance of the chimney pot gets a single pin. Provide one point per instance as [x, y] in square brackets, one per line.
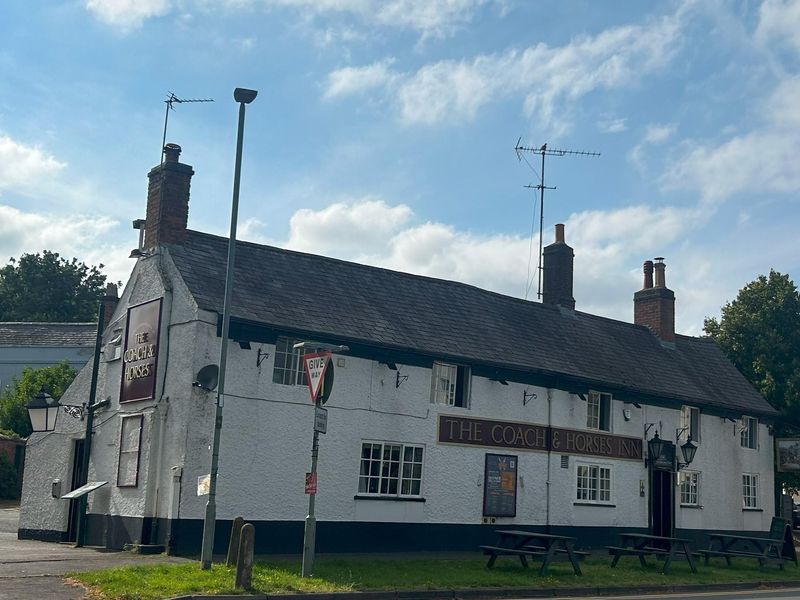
[648, 275]
[560, 233]
[172, 152]
[660, 267]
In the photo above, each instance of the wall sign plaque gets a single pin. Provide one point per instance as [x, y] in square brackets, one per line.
[500, 486]
[530, 436]
[140, 354]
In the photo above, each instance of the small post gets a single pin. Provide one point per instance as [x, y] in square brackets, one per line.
[233, 545]
[310, 537]
[244, 564]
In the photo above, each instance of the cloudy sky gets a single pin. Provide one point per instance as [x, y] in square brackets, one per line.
[384, 132]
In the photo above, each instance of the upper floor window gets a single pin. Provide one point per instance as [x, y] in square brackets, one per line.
[289, 368]
[690, 423]
[593, 483]
[390, 469]
[450, 384]
[690, 488]
[749, 434]
[598, 411]
[750, 490]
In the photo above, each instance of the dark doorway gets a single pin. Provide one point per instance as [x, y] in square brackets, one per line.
[77, 467]
[662, 503]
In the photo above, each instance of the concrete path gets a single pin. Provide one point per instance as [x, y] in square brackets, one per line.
[32, 570]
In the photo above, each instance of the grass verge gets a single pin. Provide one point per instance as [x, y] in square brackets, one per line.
[340, 575]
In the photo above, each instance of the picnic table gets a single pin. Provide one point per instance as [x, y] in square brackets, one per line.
[530, 544]
[765, 550]
[642, 545]
[777, 548]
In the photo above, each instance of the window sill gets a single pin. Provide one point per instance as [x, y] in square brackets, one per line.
[390, 498]
[692, 506]
[602, 504]
[753, 509]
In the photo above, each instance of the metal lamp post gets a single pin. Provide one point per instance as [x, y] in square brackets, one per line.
[243, 97]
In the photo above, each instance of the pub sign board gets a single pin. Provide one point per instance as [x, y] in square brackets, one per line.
[500, 486]
[532, 436]
[140, 356]
[787, 455]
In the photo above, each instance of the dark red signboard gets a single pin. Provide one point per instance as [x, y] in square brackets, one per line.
[140, 355]
[532, 436]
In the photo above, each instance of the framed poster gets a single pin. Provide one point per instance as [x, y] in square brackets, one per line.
[500, 486]
[787, 454]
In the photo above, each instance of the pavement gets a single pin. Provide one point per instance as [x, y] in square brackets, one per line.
[31, 570]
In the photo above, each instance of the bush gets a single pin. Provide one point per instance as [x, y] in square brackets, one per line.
[8, 479]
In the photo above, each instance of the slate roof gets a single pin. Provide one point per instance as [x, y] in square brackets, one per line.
[56, 335]
[358, 303]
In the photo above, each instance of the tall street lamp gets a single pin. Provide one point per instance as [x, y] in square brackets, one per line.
[242, 96]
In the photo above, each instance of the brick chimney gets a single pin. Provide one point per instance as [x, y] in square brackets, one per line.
[167, 200]
[557, 276]
[110, 301]
[654, 304]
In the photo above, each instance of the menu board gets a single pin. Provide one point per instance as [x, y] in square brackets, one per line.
[500, 486]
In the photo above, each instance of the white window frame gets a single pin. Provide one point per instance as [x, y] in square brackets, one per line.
[595, 402]
[750, 490]
[691, 422]
[288, 367]
[445, 389]
[589, 479]
[376, 473]
[748, 436]
[129, 450]
[690, 488]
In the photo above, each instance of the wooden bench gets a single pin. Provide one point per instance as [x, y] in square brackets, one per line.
[642, 545]
[534, 545]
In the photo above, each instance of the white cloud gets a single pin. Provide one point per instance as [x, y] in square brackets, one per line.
[70, 235]
[779, 21]
[431, 18]
[351, 80]
[655, 134]
[127, 14]
[761, 160]
[613, 125]
[544, 78]
[24, 166]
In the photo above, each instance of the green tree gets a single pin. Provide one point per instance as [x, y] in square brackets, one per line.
[760, 332]
[13, 401]
[47, 287]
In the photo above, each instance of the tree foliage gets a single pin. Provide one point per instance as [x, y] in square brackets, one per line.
[47, 287]
[760, 332]
[14, 399]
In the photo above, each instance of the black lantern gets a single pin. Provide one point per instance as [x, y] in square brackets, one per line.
[688, 450]
[42, 411]
[655, 446]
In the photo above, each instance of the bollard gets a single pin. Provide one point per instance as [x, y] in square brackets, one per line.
[244, 564]
[233, 545]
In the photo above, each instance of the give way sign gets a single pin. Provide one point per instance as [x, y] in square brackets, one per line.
[316, 364]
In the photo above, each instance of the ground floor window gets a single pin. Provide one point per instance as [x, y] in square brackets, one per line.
[390, 469]
[594, 483]
[750, 490]
[690, 488]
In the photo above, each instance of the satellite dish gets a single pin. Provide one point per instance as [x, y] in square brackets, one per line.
[207, 378]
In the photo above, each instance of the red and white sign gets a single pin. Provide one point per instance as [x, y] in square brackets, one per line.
[311, 483]
[316, 364]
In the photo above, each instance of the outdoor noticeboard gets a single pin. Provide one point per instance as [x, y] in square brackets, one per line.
[787, 455]
[500, 486]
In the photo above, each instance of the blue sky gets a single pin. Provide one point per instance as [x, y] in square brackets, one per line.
[384, 132]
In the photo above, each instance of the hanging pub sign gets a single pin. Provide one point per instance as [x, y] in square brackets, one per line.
[532, 436]
[140, 355]
[787, 455]
[500, 486]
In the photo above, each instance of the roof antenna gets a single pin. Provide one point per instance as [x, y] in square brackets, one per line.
[543, 151]
[173, 99]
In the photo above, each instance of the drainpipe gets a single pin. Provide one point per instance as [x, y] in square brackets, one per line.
[549, 456]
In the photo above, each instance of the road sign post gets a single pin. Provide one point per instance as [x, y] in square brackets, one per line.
[319, 371]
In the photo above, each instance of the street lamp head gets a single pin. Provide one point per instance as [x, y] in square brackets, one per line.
[688, 450]
[244, 96]
[42, 410]
[654, 448]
